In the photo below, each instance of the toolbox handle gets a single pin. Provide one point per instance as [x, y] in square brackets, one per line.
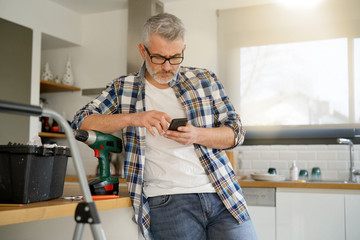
[20, 108]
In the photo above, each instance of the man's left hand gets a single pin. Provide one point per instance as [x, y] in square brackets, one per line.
[219, 137]
[185, 135]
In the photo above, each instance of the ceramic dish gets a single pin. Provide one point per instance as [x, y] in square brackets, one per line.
[267, 177]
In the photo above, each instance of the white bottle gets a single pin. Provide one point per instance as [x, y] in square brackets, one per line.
[294, 172]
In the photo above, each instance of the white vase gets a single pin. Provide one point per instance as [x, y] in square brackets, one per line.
[47, 74]
[68, 77]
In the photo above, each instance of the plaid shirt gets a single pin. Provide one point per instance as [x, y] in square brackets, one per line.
[206, 106]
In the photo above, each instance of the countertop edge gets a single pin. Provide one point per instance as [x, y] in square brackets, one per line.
[324, 185]
[54, 208]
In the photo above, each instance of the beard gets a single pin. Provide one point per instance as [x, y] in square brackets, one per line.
[156, 78]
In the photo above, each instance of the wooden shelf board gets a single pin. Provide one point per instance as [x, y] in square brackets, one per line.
[50, 87]
[51, 134]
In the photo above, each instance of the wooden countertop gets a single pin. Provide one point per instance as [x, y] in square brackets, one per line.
[288, 184]
[58, 207]
[61, 207]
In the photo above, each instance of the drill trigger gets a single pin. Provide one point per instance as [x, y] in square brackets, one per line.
[97, 153]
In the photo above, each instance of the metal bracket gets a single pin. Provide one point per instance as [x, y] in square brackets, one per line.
[86, 213]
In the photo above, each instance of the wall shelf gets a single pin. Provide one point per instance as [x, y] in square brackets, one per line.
[52, 135]
[51, 87]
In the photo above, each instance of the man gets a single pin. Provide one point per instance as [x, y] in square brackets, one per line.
[181, 184]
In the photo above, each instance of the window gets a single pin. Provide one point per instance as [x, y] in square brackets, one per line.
[286, 69]
[357, 79]
[302, 83]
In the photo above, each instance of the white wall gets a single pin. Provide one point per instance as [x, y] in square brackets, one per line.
[102, 54]
[201, 31]
[44, 16]
[200, 20]
[100, 59]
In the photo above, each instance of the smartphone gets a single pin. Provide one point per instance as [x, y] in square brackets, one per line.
[177, 122]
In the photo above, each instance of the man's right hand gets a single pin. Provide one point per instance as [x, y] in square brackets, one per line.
[150, 119]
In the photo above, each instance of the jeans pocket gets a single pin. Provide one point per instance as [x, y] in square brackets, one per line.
[158, 201]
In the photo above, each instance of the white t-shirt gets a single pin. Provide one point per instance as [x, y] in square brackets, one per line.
[170, 167]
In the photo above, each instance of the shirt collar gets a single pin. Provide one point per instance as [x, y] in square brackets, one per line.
[176, 80]
[141, 75]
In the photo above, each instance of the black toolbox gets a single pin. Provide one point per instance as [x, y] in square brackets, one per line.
[30, 173]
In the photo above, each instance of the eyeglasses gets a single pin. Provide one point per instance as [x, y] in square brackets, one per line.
[159, 60]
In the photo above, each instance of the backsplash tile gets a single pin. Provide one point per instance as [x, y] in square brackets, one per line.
[333, 160]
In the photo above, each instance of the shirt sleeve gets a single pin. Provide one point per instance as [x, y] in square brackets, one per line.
[224, 111]
[105, 103]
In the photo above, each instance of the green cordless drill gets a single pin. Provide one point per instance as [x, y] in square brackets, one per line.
[102, 144]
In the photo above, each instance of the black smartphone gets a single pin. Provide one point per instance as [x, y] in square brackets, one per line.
[177, 122]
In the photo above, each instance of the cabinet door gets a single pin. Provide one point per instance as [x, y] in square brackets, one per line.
[352, 214]
[263, 219]
[15, 78]
[309, 216]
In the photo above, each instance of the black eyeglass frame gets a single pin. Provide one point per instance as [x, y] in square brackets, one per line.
[164, 58]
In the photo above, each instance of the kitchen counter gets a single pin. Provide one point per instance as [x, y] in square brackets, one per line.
[58, 207]
[61, 207]
[289, 184]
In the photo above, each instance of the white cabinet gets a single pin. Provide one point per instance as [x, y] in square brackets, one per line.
[309, 215]
[261, 204]
[352, 215]
[304, 214]
[263, 219]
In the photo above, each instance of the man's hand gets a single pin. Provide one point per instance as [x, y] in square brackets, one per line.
[150, 119]
[184, 135]
[219, 138]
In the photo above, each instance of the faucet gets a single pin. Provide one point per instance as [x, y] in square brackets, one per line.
[352, 171]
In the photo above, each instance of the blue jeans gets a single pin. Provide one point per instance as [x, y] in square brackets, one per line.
[195, 217]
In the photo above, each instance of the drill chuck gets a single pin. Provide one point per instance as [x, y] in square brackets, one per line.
[88, 137]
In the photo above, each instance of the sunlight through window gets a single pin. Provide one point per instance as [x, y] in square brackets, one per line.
[295, 83]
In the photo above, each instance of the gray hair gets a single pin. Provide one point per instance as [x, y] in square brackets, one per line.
[166, 25]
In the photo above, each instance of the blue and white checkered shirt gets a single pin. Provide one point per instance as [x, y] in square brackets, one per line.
[206, 106]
